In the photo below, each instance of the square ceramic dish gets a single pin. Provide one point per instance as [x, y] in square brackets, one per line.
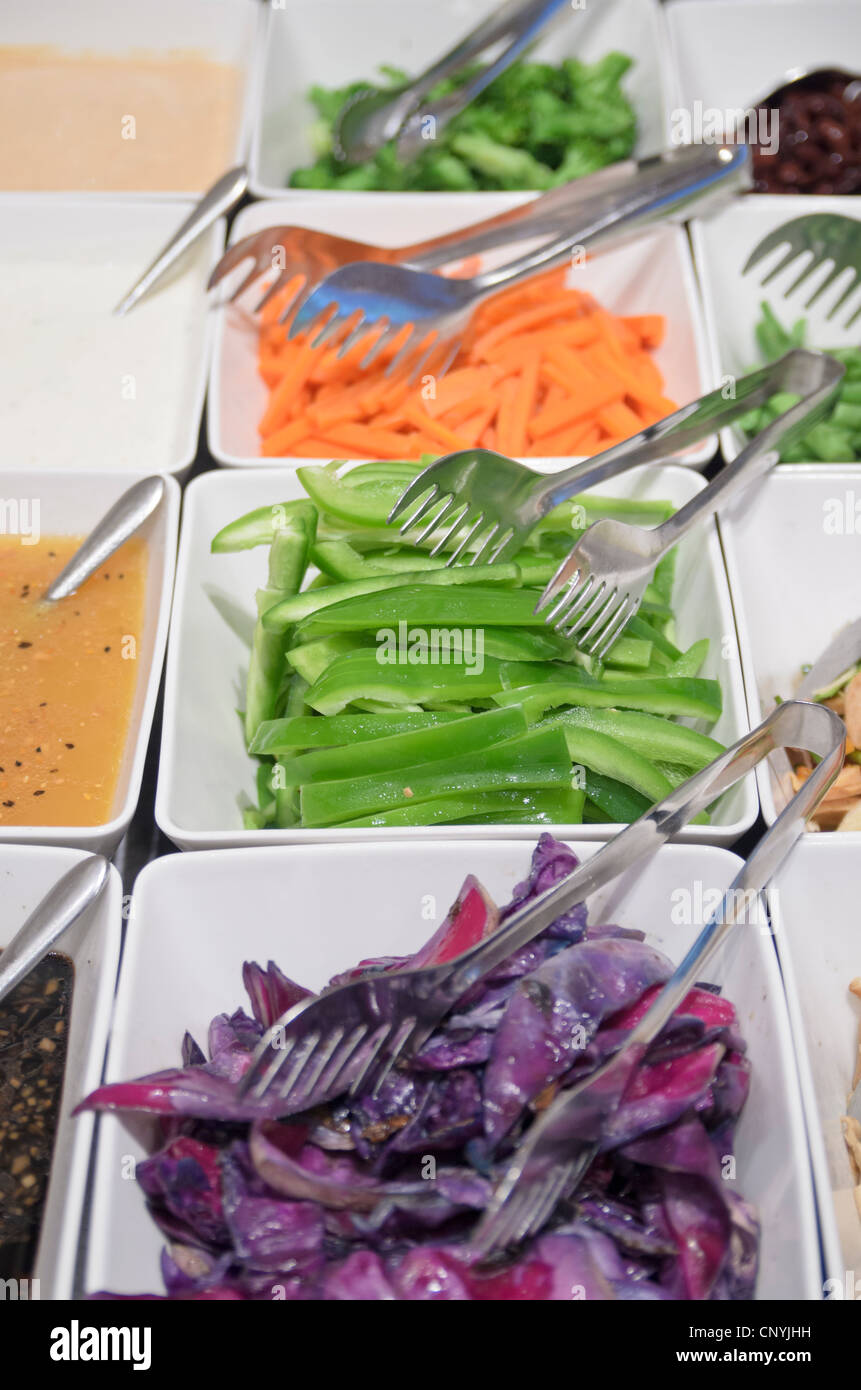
[317, 42]
[71, 504]
[204, 768]
[814, 903]
[222, 31]
[793, 554]
[27, 873]
[722, 243]
[652, 274]
[206, 914]
[83, 388]
[730, 54]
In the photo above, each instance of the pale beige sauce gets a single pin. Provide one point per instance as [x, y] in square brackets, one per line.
[144, 122]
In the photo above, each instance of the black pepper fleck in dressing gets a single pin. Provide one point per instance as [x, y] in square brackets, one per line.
[34, 1024]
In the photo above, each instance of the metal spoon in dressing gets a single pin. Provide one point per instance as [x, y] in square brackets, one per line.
[125, 517]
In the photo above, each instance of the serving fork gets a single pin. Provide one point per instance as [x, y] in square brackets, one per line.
[562, 1143]
[349, 1038]
[477, 494]
[309, 254]
[828, 236]
[366, 297]
[600, 586]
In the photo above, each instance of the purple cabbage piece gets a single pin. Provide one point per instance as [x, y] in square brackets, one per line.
[374, 1199]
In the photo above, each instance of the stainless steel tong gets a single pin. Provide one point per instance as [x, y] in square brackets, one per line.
[374, 116]
[349, 1038]
[561, 1144]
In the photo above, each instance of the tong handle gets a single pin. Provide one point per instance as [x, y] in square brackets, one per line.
[817, 378]
[660, 189]
[791, 725]
[518, 19]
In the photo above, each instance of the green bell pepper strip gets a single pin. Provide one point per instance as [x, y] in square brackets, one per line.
[310, 731]
[538, 758]
[286, 790]
[309, 602]
[367, 505]
[427, 604]
[601, 753]
[362, 675]
[311, 659]
[343, 562]
[690, 663]
[650, 632]
[615, 802]
[545, 806]
[660, 740]
[468, 735]
[288, 561]
[686, 697]
[261, 526]
[630, 652]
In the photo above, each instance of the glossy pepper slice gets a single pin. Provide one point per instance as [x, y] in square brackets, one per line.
[536, 759]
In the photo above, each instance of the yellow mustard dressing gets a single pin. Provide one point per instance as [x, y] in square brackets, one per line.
[68, 673]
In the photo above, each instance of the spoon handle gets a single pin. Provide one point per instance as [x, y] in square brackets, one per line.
[57, 911]
[125, 516]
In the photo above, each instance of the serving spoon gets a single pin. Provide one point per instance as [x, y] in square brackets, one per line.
[61, 907]
[125, 517]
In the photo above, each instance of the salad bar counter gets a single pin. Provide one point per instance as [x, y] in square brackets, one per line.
[430, 651]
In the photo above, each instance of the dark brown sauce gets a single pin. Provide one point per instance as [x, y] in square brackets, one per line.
[34, 1028]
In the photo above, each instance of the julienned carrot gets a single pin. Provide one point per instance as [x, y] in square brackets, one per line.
[543, 370]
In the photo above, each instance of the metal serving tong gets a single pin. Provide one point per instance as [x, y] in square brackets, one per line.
[309, 254]
[366, 297]
[349, 1038]
[61, 907]
[601, 584]
[561, 1144]
[374, 116]
[477, 495]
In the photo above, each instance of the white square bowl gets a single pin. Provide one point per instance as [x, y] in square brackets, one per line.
[206, 914]
[83, 388]
[730, 54]
[224, 31]
[722, 243]
[322, 42]
[652, 274]
[71, 504]
[814, 903]
[27, 873]
[792, 547]
[204, 767]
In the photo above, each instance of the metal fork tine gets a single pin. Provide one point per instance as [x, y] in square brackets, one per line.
[299, 1057]
[565, 596]
[602, 597]
[275, 288]
[409, 494]
[584, 598]
[402, 353]
[834, 274]
[373, 1053]
[332, 1069]
[847, 294]
[244, 283]
[854, 316]
[434, 521]
[277, 1059]
[309, 1077]
[623, 614]
[389, 332]
[602, 621]
[456, 554]
[433, 496]
[507, 537]
[335, 326]
[359, 330]
[812, 264]
[792, 254]
[402, 1037]
[319, 320]
[421, 359]
[444, 539]
[476, 559]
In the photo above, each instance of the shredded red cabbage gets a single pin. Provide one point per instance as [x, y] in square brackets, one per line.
[376, 1199]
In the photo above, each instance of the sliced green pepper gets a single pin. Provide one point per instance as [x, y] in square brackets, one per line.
[545, 806]
[300, 606]
[659, 740]
[537, 759]
[288, 561]
[467, 735]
